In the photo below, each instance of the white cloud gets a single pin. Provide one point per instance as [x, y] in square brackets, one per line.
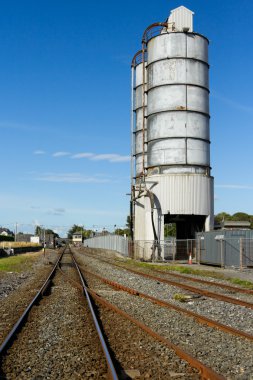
[60, 210]
[56, 211]
[70, 178]
[60, 154]
[82, 155]
[111, 157]
[39, 152]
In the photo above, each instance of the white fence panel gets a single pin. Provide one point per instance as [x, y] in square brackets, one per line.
[111, 242]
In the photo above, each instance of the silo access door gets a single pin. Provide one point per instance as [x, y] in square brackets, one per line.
[186, 227]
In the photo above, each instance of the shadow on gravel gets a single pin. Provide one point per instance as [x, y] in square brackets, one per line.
[2, 374]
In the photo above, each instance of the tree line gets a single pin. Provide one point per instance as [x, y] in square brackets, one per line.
[238, 216]
[88, 233]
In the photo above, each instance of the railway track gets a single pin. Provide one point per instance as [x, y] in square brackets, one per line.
[222, 342]
[34, 347]
[55, 336]
[181, 283]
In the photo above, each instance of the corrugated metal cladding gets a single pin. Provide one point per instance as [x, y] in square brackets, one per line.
[226, 248]
[184, 194]
[110, 242]
[182, 17]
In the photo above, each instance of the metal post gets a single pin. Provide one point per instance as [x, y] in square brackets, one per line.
[222, 253]
[174, 242]
[241, 254]
[16, 229]
[199, 251]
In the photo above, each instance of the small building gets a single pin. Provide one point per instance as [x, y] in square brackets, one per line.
[6, 232]
[225, 247]
[24, 238]
[77, 239]
[235, 225]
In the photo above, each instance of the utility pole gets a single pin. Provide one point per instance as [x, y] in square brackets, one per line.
[16, 230]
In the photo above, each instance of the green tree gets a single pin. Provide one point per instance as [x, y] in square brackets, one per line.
[122, 231]
[80, 229]
[241, 216]
[238, 216]
[170, 230]
[39, 231]
[128, 222]
[222, 216]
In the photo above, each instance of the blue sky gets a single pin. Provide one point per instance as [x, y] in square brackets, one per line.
[65, 107]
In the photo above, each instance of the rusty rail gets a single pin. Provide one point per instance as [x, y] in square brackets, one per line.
[112, 372]
[201, 281]
[198, 317]
[18, 325]
[205, 372]
[21, 321]
[190, 288]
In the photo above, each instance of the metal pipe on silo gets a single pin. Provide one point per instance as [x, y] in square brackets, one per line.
[143, 110]
[140, 148]
[144, 72]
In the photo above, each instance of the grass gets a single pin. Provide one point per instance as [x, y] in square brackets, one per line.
[195, 272]
[16, 244]
[244, 283]
[18, 263]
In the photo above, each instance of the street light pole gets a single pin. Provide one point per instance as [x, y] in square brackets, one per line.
[16, 229]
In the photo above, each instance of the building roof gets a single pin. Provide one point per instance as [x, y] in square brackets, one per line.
[182, 8]
[235, 224]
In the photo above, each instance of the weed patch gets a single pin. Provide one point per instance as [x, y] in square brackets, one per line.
[18, 263]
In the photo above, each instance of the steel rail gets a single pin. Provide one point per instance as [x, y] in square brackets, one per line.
[205, 372]
[201, 281]
[112, 372]
[201, 319]
[193, 289]
[190, 288]
[18, 325]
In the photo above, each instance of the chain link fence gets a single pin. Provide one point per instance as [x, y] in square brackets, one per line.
[209, 249]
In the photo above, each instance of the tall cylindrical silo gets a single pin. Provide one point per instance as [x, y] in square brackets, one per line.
[172, 139]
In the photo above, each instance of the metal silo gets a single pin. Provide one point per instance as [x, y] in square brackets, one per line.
[178, 103]
[172, 182]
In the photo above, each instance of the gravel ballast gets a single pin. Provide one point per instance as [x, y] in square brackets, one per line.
[59, 343]
[229, 355]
